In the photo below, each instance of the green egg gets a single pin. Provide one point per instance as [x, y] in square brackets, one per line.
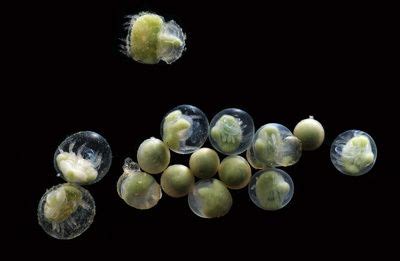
[204, 163]
[177, 181]
[310, 132]
[153, 156]
[235, 172]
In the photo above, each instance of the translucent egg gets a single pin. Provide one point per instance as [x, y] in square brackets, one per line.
[210, 199]
[151, 39]
[275, 145]
[353, 152]
[83, 158]
[65, 211]
[251, 159]
[235, 172]
[184, 129]
[138, 189]
[153, 156]
[231, 131]
[271, 189]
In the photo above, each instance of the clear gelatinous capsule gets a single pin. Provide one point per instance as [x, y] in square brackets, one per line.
[153, 156]
[275, 145]
[151, 39]
[210, 198]
[184, 129]
[231, 131]
[65, 211]
[235, 172]
[138, 189]
[83, 158]
[310, 132]
[353, 152]
[204, 163]
[271, 189]
[177, 181]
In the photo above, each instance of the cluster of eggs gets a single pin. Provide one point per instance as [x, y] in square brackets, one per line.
[65, 211]
[185, 129]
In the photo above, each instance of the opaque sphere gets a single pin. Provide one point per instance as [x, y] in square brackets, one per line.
[204, 163]
[153, 156]
[235, 172]
[177, 181]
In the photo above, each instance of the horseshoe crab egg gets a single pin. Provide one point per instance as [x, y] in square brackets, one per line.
[231, 131]
[65, 211]
[310, 132]
[83, 158]
[274, 145]
[184, 129]
[177, 181]
[210, 199]
[151, 39]
[138, 189]
[153, 156]
[271, 189]
[204, 163]
[251, 159]
[353, 153]
[235, 172]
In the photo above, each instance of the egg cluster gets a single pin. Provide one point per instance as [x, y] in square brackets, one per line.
[185, 129]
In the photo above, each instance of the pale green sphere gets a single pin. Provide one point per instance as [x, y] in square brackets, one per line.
[139, 189]
[235, 172]
[177, 181]
[310, 132]
[204, 163]
[153, 156]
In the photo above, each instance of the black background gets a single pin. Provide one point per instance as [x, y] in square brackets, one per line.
[278, 63]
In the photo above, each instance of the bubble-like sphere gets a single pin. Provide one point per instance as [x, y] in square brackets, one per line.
[210, 199]
[65, 211]
[353, 152]
[271, 189]
[83, 158]
[275, 145]
[235, 172]
[184, 129]
[138, 189]
[231, 131]
[153, 156]
[151, 39]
